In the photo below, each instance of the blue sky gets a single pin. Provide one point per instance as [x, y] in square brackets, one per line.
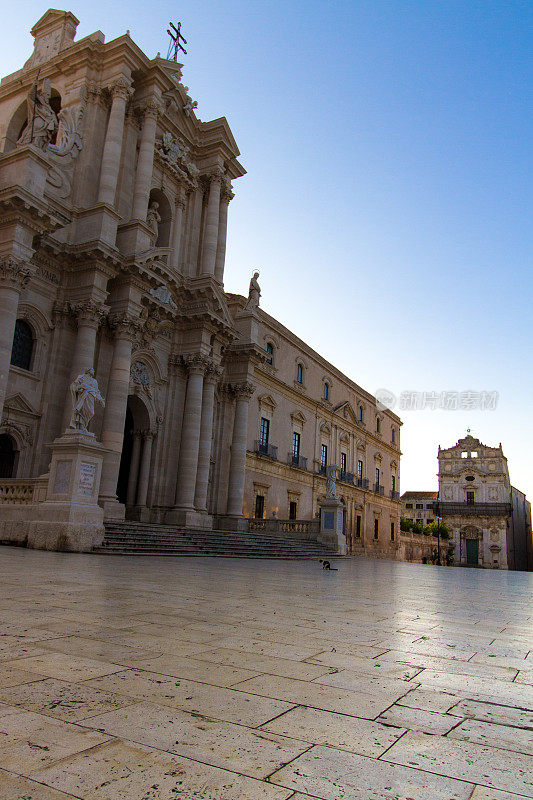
[387, 203]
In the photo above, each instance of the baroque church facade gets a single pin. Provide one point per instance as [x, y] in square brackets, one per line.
[114, 202]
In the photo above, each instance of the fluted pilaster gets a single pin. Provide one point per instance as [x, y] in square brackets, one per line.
[243, 393]
[121, 92]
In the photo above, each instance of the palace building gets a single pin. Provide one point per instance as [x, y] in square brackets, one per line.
[113, 215]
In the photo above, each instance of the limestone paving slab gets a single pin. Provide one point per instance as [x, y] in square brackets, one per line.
[416, 719]
[198, 698]
[66, 667]
[11, 676]
[196, 670]
[512, 694]
[484, 793]
[98, 649]
[502, 736]
[63, 700]
[314, 695]
[479, 764]
[122, 771]
[370, 666]
[492, 712]
[256, 753]
[451, 666]
[14, 787]
[265, 664]
[430, 699]
[337, 775]
[29, 741]
[336, 730]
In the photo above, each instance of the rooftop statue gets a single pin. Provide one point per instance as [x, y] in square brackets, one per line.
[254, 293]
[42, 122]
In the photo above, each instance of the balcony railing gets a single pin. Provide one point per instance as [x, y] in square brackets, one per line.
[379, 489]
[485, 509]
[346, 477]
[322, 469]
[362, 483]
[269, 450]
[297, 461]
[394, 494]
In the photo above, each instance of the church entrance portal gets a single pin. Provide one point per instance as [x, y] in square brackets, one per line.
[472, 552]
[7, 456]
[136, 432]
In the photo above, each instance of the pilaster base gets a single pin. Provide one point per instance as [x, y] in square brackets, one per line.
[113, 510]
[189, 518]
[226, 523]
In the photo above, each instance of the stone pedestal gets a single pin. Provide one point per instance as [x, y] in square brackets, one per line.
[70, 518]
[331, 525]
[189, 518]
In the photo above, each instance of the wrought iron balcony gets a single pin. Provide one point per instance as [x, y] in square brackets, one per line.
[379, 489]
[362, 483]
[346, 477]
[473, 509]
[395, 495]
[297, 461]
[266, 449]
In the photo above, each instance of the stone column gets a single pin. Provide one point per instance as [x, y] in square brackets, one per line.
[227, 195]
[126, 328]
[190, 437]
[113, 143]
[145, 163]
[89, 314]
[134, 469]
[177, 228]
[209, 250]
[238, 449]
[206, 434]
[14, 275]
[144, 472]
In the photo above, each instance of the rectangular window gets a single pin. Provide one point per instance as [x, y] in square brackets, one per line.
[393, 435]
[392, 531]
[377, 476]
[470, 498]
[420, 505]
[270, 353]
[360, 469]
[264, 432]
[295, 446]
[259, 506]
[376, 529]
[299, 374]
[378, 425]
[358, 527]
[324, 456]
[293, 509]
[408, 505]
[343, 462]
[361, 412]
[393, 483]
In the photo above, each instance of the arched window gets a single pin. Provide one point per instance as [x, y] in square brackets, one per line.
[299, 373]
[7, 456]
[22, 350]
[326, 390]
[378, 425]
[270, 353]
[393, 435]
[361, 414]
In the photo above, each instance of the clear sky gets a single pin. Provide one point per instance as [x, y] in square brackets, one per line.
[387, 203]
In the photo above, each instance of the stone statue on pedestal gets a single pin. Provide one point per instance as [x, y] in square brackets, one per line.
[254, 293]
[84, 391]
[153, 217]
[331, 476]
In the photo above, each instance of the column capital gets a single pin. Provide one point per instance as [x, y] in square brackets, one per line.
[14, 273]
[121, 88]
[243, 391]
[214, 176]
[196, 363]
[227, 194]
[125, 325]
[152, 108]
[213, 373]
[89, 312]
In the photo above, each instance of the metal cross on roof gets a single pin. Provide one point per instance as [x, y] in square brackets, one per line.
[176, 39]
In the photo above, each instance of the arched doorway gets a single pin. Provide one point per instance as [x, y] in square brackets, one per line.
[136, 426]
[471, 536]
[8, 455]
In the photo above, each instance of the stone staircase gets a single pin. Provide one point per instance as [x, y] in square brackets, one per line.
[140, 538]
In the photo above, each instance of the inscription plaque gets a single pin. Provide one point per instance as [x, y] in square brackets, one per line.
[329, 522]
[62, 477]
[86, 481]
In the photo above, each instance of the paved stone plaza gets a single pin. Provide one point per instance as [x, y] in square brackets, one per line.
[225, 679]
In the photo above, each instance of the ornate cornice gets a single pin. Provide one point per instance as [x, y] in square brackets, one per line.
[14, 273]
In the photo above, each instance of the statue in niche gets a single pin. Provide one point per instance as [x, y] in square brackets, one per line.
[84, 390]
[331, 477]
[153, 218]
[254, 293]
[42, 119]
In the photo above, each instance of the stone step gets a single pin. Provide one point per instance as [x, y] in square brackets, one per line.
[137, 538]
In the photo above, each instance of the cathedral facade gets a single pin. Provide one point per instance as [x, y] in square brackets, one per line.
[113, 216]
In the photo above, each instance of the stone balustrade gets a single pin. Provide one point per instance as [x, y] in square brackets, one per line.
[300, 528]
[16, 492]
